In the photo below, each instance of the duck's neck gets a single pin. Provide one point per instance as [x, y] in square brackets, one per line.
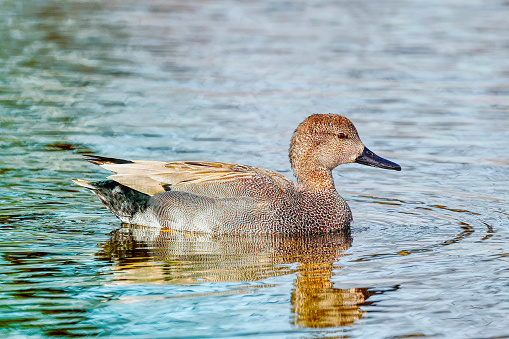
[317, 178]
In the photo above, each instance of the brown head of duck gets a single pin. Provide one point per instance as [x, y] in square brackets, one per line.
[321, 143]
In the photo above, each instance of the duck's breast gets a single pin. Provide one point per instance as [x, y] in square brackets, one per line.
[319, 211]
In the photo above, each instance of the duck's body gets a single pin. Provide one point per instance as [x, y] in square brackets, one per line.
[224, 198]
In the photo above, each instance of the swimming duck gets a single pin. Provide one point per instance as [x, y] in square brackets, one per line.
[223, 198]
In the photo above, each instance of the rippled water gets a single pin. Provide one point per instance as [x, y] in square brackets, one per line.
[426, 83]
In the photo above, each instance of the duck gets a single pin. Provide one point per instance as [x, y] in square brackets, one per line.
[233, 199]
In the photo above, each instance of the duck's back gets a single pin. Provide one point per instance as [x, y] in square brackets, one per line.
[239, 181]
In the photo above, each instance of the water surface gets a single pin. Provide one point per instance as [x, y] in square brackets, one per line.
[426, 84]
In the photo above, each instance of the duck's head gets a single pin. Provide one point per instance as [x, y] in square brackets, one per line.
[324, 141]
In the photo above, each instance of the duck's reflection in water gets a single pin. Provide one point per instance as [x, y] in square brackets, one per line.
[144, 254]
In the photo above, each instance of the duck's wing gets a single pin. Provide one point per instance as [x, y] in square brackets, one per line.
[213, 179]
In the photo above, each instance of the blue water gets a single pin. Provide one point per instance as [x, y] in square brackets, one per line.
[426, 84]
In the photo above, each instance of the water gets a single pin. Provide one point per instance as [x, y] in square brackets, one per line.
[426, 84]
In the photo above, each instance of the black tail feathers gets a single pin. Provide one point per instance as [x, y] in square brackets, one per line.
[99, 160]
[121, 200]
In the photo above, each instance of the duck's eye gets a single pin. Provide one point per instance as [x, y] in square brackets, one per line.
[342, 136]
